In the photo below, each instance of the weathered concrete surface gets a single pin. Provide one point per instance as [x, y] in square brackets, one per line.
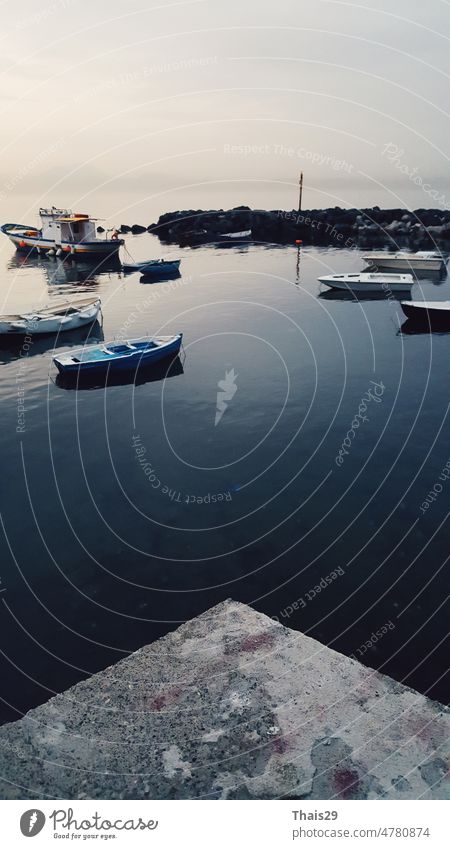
[231, 705]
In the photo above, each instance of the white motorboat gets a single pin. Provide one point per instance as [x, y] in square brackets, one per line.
[403, 261]
[54, 318]
[62, 233]
[428, 312]
[369, 282]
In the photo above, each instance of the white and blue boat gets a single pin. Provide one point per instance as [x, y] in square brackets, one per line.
[118, 356]
[154, 267]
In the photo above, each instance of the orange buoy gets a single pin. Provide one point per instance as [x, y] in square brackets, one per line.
[67, 248]
[22, 244]
[298, 242]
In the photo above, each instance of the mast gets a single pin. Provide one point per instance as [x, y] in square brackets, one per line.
[300, 193]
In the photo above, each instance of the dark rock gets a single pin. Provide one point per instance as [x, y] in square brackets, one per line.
[100, 229]
[138, 228]
[370, 227]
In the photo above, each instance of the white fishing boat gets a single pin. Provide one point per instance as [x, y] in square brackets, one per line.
[54, 318]
[403, 261]
[369, 282]
[62, 233]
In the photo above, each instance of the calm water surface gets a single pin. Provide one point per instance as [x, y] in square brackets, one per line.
[127, 510]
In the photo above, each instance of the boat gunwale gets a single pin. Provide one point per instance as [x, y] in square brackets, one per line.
[428, 306]
[51, 311]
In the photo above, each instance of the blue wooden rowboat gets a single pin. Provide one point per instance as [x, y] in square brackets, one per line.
[118, 356]
[154, 267]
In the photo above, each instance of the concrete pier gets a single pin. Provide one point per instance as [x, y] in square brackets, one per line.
[230, 705]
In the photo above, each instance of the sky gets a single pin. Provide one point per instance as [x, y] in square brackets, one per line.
[128, 110]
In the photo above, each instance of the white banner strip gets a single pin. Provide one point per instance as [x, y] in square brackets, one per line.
[236, 824]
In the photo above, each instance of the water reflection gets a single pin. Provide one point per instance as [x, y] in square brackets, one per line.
[12, 346]
[342, 295]
[436, 277]
[59, 272]
[174, 275]
[414, 327]
[297, 267]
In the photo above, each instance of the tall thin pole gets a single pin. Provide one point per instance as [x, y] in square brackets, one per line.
[300, 183]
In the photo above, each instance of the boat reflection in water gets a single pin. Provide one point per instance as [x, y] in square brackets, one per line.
[343, 295]
[140, 376]
[173, 275]
[12, 347]
[60, 272]
[410, 327]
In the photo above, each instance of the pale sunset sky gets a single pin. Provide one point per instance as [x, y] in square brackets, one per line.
[128, 110]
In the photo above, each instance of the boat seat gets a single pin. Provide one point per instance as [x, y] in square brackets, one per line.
[118, 349]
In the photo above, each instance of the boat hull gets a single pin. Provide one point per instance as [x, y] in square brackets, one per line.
[141, 359]
[429, 313]
[35, 325]
[404, 264]
[153, 269]
[75, 250]
[369, 287]
[384, 284]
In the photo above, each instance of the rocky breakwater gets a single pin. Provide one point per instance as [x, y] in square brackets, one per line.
[421, 229]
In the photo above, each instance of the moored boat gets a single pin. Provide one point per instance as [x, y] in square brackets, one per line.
[54, 318]
[97, 379]
[404, 261]
[154, 267]
[240, 236]
[62, 233]
[369, 282]
[432, 313]
[118, 356]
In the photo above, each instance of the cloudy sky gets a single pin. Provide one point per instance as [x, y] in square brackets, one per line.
[131, 109]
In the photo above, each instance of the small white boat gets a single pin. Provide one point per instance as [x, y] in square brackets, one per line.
[54, 318]
[369, 282]
[241, 236]
[403, 261]
[428, 312]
